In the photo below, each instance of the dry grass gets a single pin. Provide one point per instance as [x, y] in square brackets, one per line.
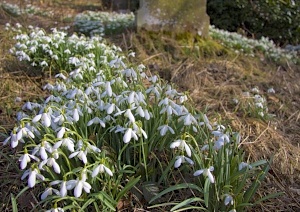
[211, 74]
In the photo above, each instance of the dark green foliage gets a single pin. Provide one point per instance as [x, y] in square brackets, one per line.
[277, 19]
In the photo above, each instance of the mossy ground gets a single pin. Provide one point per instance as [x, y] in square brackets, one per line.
[212, 74]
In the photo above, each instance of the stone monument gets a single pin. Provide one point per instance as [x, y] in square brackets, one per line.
[177, 16]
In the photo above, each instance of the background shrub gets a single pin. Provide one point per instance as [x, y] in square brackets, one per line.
[277, 19]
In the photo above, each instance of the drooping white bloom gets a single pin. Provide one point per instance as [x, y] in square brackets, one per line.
[48, 192]
[78, 184]
[182, 159]
[26, 158]
[206, 173]
[243, 165]
[96, 120]
[228, 199]
[32, 174]
[129, 134]
[51, 162]
[182, 145]
[63, 187]
[56, 209]
[81, 155]
[68, 142]
[101, 168]
[164, 129]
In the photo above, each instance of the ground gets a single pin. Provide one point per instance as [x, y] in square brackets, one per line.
[213, 78]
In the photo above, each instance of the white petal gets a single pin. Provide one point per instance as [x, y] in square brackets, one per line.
[45, 194]
[61, 132]
[178, 162]
[108, 171]
[199, 172]
[87, 187]
[96, 171]
[37, 118]
[78, 189]
[175, 144]
[127, 135]
[32, 179]
[56, 167]
[43, 153]
[187, 149]
[210, 176]
[63, 189]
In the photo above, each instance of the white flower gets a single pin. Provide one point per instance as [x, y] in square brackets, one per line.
[188, 119]
[51, 163]
[206, 173]
[164, 128]
[68, 142]
[49, 191]
[101, 168]
[33, 173]
[271, 90]
[79, 185]
[24, 159]
[243, 165]
[129, 134]
[81, 155]
[228, 199]
[55, 209]
[96, 120]
[129, 114]
[182, 145]
[182, 159]
[63, 187]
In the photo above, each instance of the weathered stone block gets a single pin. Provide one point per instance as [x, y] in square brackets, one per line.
[177, 16]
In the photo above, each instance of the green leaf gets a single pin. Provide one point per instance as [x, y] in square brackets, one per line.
[14, 203]
[206, 191]
[187, 202]
[177, 187]
[128, 186]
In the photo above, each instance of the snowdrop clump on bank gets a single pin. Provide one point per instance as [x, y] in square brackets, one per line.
[100, 23]
[108, 125]
[249, 46]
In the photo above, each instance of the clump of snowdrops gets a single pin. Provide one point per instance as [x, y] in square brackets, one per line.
[244, 45]
[253, 103]
[101, 23]
[108, 128]
[28, 9]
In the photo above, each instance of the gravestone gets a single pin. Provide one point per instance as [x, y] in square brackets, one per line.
[177, 16]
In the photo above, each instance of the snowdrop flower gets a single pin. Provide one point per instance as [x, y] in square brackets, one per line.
[80, 154]
[68, 142]
[78, 184]
[13, 140]
[61, 132]
[32, 174]
[55, 209]
[228, 199]
[206, 173]
[63, 187]
[49, 191]
[243, 165]
[255, 90]
[129, 134]
[182, 159]
[45, 119]
[96, 120]
[271, 90]
[206, 122]
[26, 158]
[188, 119]
[51, 163]
[41, 150]
[182, 145]
[129, 114]
[101, 168]
[164, 129]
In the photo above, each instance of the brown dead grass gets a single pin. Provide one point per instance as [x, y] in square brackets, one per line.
[212, 76]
